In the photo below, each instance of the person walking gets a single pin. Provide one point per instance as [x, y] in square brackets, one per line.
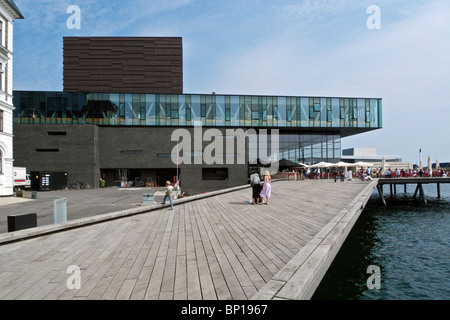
[267, 188]
[342, 175]
[168, 194]
[255, 182]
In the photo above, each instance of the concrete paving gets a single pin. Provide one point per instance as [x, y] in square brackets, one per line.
[80, 203]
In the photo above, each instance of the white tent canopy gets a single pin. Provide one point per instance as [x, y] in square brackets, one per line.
[303, 165]
[339, 164]
[342, 164]
[322, 165]
[363, 164]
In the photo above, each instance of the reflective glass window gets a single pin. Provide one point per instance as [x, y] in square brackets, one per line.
[281, 102]
[188, 114]
[220, 111]
[195, 108]
[180, 110]
[150, 109]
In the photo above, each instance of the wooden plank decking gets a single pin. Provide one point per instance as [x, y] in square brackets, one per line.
[218, 247]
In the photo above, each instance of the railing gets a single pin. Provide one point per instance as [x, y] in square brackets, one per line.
[435, 174]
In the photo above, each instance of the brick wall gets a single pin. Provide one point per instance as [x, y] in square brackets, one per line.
[123, 64]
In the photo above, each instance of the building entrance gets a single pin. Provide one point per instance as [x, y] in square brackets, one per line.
[138, 177]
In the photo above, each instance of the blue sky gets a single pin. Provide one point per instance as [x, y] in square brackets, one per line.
[262, 47]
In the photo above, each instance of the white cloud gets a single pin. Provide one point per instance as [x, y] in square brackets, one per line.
[405, 63]
[38, 39]
[310, 11]
[411, 73]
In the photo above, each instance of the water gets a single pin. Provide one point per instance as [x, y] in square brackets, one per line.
[407, 240]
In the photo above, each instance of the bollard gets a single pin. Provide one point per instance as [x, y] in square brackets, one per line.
[34, 195]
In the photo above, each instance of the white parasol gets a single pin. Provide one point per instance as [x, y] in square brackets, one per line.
[343, 164]
[303, 165]
[321, 165]
[363, 164]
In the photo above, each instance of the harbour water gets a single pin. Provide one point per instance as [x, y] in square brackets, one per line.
[407, 241]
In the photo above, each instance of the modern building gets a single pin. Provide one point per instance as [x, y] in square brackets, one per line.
[353, 155]
[123, 64]
[443, 166]
[122, 135]
[393, 162]
[8, 13]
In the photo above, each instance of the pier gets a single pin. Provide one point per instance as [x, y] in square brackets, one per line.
[213, 246]
[419, 182]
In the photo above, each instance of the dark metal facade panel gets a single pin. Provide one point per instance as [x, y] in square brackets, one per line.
[123, 64]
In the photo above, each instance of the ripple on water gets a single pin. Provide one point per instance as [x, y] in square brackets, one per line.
[410, 244]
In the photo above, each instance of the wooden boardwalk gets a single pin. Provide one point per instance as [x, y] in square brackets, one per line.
[218, 247]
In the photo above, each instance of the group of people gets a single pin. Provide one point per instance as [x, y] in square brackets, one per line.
[365, 175]
[339, 174]
[414, 173]
[261, 189]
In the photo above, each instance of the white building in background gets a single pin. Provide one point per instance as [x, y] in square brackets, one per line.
[370, 155]
[366, 155]
[8, 13]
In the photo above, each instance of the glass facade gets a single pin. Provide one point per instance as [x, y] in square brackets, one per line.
[309, 126]
[184, 110]
[297, 147]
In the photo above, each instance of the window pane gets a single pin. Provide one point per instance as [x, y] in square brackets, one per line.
[275, 112]
[188, 114]
[203, 110]
[214, 173]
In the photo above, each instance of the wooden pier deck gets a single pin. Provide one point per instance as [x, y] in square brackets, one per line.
[214, 248]
[418, 181]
